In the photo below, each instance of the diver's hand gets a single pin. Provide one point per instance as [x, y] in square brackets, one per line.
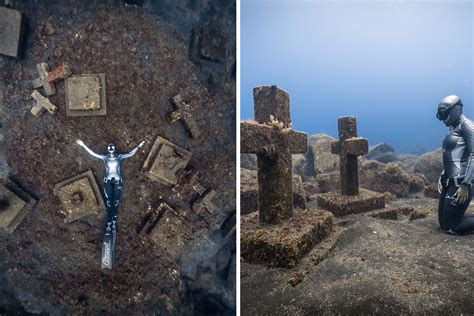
[461, 195]
[440, 185]
[141, 144]
[80, 142]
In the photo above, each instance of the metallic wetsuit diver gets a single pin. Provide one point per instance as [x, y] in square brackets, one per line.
[455, 181]
[112, 179]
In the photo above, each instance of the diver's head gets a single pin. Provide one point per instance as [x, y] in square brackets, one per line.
[450, 110]
[111, 148]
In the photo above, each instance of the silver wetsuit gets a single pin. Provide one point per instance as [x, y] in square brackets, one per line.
[112, 163]
[458, 167]
[457, 151]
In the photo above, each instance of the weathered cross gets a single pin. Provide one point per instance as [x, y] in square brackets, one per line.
[48, 78]
[183, 112]
[274, 148]
[42, 104]
[348, 147]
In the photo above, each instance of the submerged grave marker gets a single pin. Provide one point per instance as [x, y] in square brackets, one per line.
[42, 104]
[277, 236]
[274, 149]
[184, 112]
[47, 78]
[15, 203]
[351, 199]
[10, 32]
[80, 196]
[166, 161]
[86, 95]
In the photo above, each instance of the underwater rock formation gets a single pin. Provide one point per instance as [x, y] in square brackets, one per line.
[320, 148]
[430, 164]
[382, 152]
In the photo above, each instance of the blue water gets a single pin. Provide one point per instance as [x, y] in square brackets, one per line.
[386, 62]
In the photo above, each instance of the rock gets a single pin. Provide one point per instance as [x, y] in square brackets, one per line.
[382, 152]
[323, 160]
[430, 164]
[329, 181]
[248, 161]
[390, 177]
[303, 165]
[416, 184]
[419, 213]
[299, 193]
[431, 191]
[208, 268]
[310, 187]
[407, 161]
[249, 193]
[49, 28]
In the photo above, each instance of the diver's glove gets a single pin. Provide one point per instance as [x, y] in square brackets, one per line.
[440, 184]
[461, 194]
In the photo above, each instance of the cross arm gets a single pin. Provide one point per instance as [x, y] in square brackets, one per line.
[264, 139]
[352, 146]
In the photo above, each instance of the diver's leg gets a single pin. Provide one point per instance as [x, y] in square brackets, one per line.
[441, 207]
[452, 215]
[116, 201]
[108, 193]
[466, 224]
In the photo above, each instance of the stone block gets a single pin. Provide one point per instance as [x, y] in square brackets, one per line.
[15, 203]
[10, 32]
[80, 196]
[166, 161]
[283, 245]
[341, 205]
[86, 95]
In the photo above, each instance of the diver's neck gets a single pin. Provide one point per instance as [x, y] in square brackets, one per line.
[458, 121]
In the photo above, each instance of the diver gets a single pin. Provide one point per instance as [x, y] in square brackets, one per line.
[113, 185]
[454, 184]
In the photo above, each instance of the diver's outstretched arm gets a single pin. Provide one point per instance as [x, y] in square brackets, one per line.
[90, 151]
[133, 151]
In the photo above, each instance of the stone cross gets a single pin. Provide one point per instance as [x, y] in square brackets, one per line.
[183, 112]
[42, 104]
[348, 147]
[48, 78]
[274, 148]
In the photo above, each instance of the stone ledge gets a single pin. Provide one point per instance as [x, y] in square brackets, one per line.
[341, 205]
[15, 204]
[283, 245]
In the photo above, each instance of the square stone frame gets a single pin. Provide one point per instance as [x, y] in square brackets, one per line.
[159, 143]
[95, 188]
[103, 100]
[27, 201]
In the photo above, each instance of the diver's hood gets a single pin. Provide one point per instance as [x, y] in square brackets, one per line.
[450, 110]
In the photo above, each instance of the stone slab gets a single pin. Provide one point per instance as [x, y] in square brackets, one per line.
[166, 161]
[10, 32]
[15, 204]
[285, 244]
[86, 95]
[353, 146]
[80, 196]
[341, 205]
[166, 227]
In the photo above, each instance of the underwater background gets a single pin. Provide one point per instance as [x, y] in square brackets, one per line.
[387, 62]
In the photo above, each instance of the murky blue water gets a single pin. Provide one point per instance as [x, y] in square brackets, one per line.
[386, 62]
